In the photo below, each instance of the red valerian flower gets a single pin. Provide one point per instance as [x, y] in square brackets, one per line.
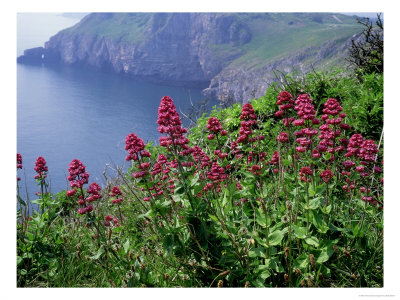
[214, 125]
[70, 193]
[368, 150]
[282, 137]
[332, 107]
[115, 191]
[94, 191]
[304, 173]
[77, 174]
[40, 167]
[326, 175]
[134, 145]
[19, 161]
[348, 164]
[256, 170]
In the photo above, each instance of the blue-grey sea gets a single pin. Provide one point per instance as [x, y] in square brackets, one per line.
[65, 113]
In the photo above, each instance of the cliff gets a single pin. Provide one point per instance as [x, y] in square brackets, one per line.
[232, 55]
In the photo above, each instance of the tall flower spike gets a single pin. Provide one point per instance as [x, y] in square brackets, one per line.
[40, 167]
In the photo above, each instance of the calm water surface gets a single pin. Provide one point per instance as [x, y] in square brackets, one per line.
[65, 113]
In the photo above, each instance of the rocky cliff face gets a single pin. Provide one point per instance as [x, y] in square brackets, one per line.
[194, 49]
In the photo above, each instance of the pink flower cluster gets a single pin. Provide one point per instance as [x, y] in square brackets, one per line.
[332, 107]
[19, 161]
[135, 147]
[77, 174]
[249, 120]
[305, 110]
[116, 192]
[368, 150]
[94, 191]
[40, 168]
[215, 127]
[283, 137]
[108, 219]
[305, 172]
[354, 145]
[170, 123]
[326, 175]
[285, 103]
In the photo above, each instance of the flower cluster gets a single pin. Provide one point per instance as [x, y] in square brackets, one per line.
[135, 147]
[326, 175]
[77, 174]
[116, 192]
[19, 161]
[305, 172]
[354, 145]
[40, 168]
[215, 127]
[256, 170]
[305, 110]
[170, 124]
[283, 137]
[285, 103]
[19, 164]
[249, 120]
[368, 150]
[108, 219]
[94, 191]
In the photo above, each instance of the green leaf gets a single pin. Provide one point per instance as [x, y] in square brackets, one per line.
[327, 209]
[319, 223]
[260, 218]
[286, 162]
[257, 252]
[313, 241]
[315, 203]
[263, 271]
[99, 253]
[301, 262]
[126, 246]
[19, 260]
[276, 237]
[299, 232]
[276, 265]
[324, 255]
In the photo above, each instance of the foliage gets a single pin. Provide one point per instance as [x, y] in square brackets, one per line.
[366, 54]
[228, 204]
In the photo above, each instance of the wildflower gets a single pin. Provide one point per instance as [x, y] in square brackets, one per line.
[134, 146]
[19, 161]
[93, 190]
[368, 150]
[304, 173]
[282, 137]
[301, 149]
[275, 158]
[326, 175]
[70, 193]
[285, 219]
[214, 125]
[354, 145]
[348, 164]
[115, 191]
[77, 174]
[256, 170]
[332, 107]
[40, 167]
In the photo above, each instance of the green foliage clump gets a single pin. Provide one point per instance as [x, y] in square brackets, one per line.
[228, 206]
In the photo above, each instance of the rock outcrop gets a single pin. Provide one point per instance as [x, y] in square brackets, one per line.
[192, 49]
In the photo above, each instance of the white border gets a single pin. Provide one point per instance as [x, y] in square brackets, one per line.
[8, 144]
